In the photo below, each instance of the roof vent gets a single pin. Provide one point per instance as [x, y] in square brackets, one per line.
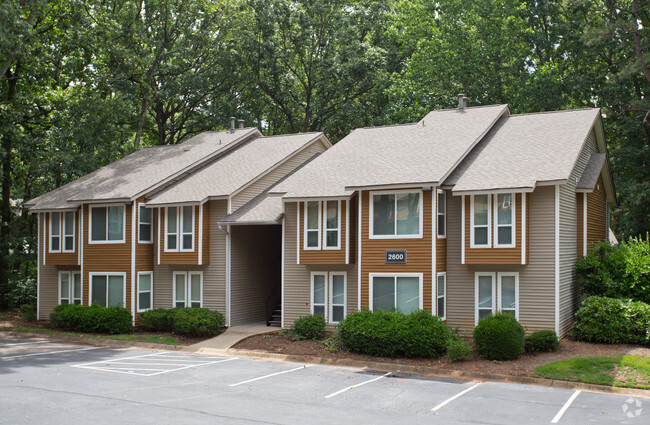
[462, 101]
[241, 123]
[232, 124]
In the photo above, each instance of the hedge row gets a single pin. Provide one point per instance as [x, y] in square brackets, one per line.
[612, 320]
[185, 321]
[93, 319]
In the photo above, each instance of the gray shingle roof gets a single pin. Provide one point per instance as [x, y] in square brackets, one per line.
[140, 171]
[591, 172]
[231, 172]
[263, 209]
[402, 154]
[522, 151]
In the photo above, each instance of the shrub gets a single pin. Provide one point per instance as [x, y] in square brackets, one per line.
[601, 319]
[27, 312]
[308, 327]
[391, 334]
[544, 340]
[158, 319]
[458, 349]
[499, 337]
[93, 319]
[197, 322]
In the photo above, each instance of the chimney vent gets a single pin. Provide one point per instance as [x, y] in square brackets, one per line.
[232, 124]
[462, 101]
[241, 123]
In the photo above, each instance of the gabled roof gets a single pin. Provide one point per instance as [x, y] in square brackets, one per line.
[423, 153]
[141, 171]
[231, 172]
[591, 173]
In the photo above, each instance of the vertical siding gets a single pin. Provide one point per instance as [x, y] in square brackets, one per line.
[569, 293]
[597, 214]
[323, 256]
[48, 277]
[297, 277]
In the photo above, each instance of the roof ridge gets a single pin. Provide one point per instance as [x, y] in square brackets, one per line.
[291, 134]
[526, 114]
[469, 107]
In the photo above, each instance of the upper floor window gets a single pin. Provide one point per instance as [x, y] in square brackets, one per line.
[480, 221]
[332, 224]
[107, 224]
[504, 211]
[144, 224]
[62, 231]
[442, 210]
[179, 228]
[396, 215]
[312, 225]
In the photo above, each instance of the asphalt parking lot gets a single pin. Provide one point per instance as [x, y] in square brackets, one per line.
[44, 382]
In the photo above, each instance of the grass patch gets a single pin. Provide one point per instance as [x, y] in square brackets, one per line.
[616, 371]
[150, 338]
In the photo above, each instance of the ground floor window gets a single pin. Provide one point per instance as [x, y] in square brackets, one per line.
[145, 291]
[188, 289]
[108, 289]
[496, 292]
[401, 292]
[69, 287]
[328, 295]
[441, 287]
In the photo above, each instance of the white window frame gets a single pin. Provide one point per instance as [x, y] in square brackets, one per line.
[311, 292]
[59, 235]
[371, 211]
[140, 223]
[107, 274]
[71, 298]
[338, 224]
[488, 226]
[516, 276]
[90, 224]
[179, 230]
[444, 297]
[319, 230]
[493, 275]
[331, 292]
[420, 276]
[150, 291]
[62, 235]
[440, 193]
[496, 221]
[188, 291]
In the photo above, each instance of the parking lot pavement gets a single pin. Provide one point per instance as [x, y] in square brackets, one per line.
[43, 382]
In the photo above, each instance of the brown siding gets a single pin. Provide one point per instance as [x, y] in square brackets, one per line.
[323, 256]
[144, 257]
[185, 258]
[441, 243]
[597, 214]
[579, 223]
[418, 252]
[62, 258]
[354, 228]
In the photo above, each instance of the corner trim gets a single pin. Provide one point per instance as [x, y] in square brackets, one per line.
[557, 259]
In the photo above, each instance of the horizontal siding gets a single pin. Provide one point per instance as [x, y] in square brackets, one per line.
[206, 233]
[180, 258]
[322, 256]
[597, 214]
[48, 276]
[62, 258]
[579, 224]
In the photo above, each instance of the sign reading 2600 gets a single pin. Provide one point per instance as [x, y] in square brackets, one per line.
[396, 256]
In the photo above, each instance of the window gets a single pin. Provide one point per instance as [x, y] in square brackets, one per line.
[144, 224]
[485, 303]
[179, 224]
[312, 225]
[188, 289]
[480, 221]
[509, 293]
[107, 224]
[487, 292]
[107, 289]
[504, 211]
[69, 287]
[401, 292]
[328, 295]
[442, 209]
[442, 295]
[332, 224]
[62, 222]
[396, 215]
[145, 288]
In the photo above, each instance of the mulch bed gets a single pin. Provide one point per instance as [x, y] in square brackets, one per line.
[524, 366]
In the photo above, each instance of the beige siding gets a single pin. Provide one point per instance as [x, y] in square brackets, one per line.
[297, 278]
[569, 293]
[48, 277]
[536, 280]
[272, 177]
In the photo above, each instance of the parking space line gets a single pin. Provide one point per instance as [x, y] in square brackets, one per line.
[194, 365]
[357, 385]
[47, 353]
[564, 408]
[449, 400]
[268, 376]
[13, 344]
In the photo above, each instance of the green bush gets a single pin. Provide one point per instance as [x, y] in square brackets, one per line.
[158, 319]
[544, 340]
[197, 322]
[27, 312]
[458, 349]
[499, 337]
[308, 327]
[92, 319]
[617, 271]
[611, 320]
[392, 334]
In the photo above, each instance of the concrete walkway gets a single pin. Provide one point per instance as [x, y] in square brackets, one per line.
[232, 336]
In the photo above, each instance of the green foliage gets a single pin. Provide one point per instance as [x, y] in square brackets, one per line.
[499, 337]
[197, 322]
[393, 334]
[334, 343]
[158, 319]
[92, 319]
[544, 340]
[617, 271]
[27, 312]
[458, 349]
[612, 320]
[308, 327]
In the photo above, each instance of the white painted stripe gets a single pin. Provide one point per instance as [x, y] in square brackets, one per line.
[268, 376]
[48, 353]
[564, 408]
[195, 365]
[25, 343]
[357, 385]
[130, 368]
[449, 400]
